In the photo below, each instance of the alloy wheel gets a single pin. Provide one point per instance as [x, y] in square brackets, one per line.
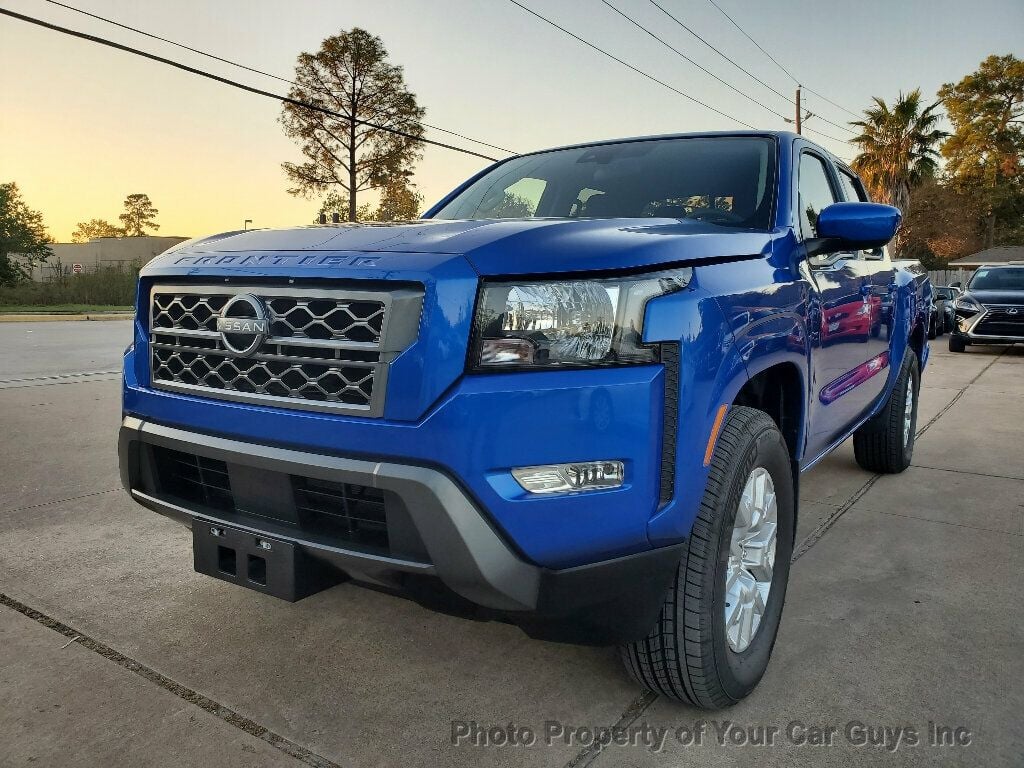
[751, 562]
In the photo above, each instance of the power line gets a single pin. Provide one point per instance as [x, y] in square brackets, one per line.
[837, 106]
[652, 77]
[741, 69]
[626, 64]
[762, 50]
[687, 58]
[775, 61]
[235, 83]
[245, 67]
[713, 48]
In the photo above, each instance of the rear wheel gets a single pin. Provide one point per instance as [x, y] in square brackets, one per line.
[885, 443]
[712, 641]
[957, 344]
[932, 328]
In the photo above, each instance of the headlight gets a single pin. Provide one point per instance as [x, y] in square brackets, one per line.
[967, 304]
[567, 323]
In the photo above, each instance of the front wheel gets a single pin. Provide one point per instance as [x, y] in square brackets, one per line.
[957, 344]
[714, 636]
[885, 443]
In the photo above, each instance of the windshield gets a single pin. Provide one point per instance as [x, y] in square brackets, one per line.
[1001, 279]
[724, 181]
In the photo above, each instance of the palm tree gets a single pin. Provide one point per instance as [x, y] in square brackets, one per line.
[897, 147]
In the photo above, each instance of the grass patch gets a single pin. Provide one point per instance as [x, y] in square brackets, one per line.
[60, 309]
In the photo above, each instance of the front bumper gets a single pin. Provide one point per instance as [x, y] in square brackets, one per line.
[445, 538]
[476, 433]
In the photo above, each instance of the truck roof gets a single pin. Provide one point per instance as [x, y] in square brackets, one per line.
[689, 135]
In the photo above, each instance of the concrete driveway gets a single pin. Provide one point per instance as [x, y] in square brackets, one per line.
[902, 627]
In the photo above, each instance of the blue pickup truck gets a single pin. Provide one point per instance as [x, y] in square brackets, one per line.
[576, 396]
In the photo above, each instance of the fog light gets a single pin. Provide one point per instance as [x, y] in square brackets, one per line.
[564, 478]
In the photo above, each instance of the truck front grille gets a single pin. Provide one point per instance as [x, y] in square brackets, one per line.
[315, 349]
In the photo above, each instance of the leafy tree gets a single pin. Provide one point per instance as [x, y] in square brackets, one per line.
[23, 238]
[986, 149]
[350, 75]
[336, 202]
[87, 230]
[941, 225]
[897, 147]
[139, 215]
[399, 201]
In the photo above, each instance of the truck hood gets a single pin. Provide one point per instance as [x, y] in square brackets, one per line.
[492, 247]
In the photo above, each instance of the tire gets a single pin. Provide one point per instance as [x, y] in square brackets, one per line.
[885, 443]
[688, 655]
[932, 328]
[957, 344]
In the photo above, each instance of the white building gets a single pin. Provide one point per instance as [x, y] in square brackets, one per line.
[103, 252]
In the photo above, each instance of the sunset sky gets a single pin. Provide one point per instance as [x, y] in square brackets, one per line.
[82, 126]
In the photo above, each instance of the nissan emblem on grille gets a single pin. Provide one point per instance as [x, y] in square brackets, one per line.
[243, 324]
[324, 349]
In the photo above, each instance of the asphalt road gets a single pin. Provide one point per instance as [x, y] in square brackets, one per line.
[903, 612]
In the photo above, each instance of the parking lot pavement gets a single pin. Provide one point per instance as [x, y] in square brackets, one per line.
[902, 611]
[70, 707]
[56, 349]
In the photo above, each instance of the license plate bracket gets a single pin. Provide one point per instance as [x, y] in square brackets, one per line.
[258, 562]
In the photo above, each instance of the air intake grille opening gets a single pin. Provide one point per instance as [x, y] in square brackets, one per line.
[196, 479]
[344, 514]
[354, 513]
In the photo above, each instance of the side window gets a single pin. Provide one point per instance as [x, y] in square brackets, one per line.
[851, 188]
[815, 193]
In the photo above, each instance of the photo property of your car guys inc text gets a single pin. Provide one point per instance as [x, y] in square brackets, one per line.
[608, 384]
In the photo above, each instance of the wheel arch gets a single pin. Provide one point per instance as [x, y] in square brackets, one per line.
[780, 391]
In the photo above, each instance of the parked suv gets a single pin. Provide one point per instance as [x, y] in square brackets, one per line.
[991, 308]
[576, 396]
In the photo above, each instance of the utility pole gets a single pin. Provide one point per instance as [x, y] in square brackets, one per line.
[799, 123]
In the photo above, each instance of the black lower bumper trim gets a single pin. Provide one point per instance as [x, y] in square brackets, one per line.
[973, 339]
[606, 603]
[600, 603]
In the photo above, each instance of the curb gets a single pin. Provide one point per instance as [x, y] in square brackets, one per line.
[49, 318]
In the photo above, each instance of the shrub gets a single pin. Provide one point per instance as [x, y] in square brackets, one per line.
[106, 285]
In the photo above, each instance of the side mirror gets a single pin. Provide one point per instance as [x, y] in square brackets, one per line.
[958, 285]
[854, 227]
